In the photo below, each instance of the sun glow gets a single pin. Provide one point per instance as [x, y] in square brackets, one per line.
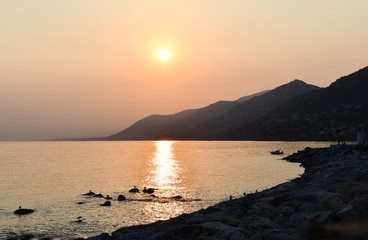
[163, 54]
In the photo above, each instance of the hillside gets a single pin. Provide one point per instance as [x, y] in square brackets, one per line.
[247, 111]
[154, 126]
[337, 110]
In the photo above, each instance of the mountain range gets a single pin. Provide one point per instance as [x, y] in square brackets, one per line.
[293, 111]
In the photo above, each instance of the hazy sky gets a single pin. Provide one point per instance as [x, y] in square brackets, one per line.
[85, 68]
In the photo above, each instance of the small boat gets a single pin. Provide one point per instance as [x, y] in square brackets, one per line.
[277, 152]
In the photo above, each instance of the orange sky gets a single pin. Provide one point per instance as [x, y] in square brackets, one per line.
[89, 68]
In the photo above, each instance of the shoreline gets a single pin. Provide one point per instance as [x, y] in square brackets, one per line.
[331, 194]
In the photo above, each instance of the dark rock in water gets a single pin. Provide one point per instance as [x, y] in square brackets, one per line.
[135, 189]
[107, 203]
[23, 211]
[121, 198]
[90, 193]
[108, 197]
[98, 195]
[81, 203]
[177, 197]
[149, 190]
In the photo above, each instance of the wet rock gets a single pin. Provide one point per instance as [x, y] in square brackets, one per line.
[148, 190]
[121, 198]
[98, 195]
[177, 197]
[134, 190]
[108, 197]
[90, 193]
[107, 203]
[23, 211]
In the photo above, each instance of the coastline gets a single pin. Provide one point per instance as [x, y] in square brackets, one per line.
[329, 200]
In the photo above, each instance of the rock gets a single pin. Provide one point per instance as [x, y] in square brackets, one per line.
[284, 211]
[90, 193]
[148, 190]
[223, 231]
[23, 211]
[27, 236]
[257, 223]
[271, 234]
[348, 211]
[263, 208]
[134, 190]
[121, 198]
[177, 197]
[98, 195]
[107, 203]
[108, 197]
[81, 203]
[353, 188]
[100, 237]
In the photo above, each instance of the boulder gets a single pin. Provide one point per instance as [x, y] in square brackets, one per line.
[107, 203]
[134, 190]
[98, 195]
[257, 223]
[283, 211]
[348, 211]
[121, 198]
[23, 211]
[148, 190]
[90, 193]
[177, 197]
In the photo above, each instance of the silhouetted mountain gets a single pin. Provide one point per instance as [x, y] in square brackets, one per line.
[320, 115]
[245, 112]
[157, 126]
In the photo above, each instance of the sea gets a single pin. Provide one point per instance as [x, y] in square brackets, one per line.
[51, 178]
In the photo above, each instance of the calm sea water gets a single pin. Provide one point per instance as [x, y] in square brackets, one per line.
[51, 177]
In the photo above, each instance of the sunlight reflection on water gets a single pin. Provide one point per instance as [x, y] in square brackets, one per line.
[164, 170]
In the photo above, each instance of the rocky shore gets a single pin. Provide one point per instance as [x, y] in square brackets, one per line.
[329, 201]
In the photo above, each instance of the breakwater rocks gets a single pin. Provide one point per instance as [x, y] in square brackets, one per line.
[329, 201]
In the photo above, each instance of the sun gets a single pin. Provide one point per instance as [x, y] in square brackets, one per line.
[163, 54]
